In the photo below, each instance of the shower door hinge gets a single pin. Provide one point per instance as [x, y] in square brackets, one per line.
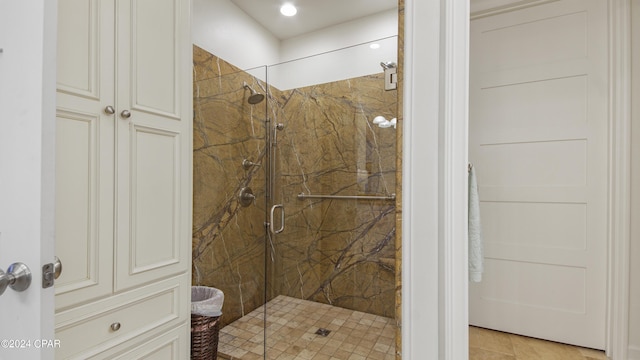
[390, 78]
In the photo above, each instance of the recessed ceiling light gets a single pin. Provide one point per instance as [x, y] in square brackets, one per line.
[288, 10]
[375, 46]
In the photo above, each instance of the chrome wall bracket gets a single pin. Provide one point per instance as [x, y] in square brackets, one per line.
[248, 164]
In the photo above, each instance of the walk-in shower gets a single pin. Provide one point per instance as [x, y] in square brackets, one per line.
[324, 284]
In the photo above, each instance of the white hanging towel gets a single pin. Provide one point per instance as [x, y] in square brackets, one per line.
[476, 257]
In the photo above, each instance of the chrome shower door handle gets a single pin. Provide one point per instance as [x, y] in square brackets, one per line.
[273, 210]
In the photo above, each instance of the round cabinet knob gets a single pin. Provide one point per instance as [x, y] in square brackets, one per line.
[109, 110]
[125, 114]
[115, 326]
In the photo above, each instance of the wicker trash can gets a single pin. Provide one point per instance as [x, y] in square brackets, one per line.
[206, 309]
[205, 331]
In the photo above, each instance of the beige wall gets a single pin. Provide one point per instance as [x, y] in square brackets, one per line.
[228, 239]
[634, 316]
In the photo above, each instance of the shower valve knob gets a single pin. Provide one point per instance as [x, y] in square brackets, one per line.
[246, 196]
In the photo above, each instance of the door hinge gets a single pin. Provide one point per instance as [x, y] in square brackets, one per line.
[390, 78]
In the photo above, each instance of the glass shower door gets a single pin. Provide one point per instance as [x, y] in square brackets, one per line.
[229, 186]
[331, 271]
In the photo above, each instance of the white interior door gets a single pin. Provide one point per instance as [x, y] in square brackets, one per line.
[27, 120]
[538, 141]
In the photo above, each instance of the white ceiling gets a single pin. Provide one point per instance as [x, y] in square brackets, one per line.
[312, 14]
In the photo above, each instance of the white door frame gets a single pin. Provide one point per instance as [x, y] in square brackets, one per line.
[619, 178]
[434, 269]
[434, 182]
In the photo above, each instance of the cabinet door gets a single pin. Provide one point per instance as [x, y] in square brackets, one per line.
[84, 150]
[153, 140]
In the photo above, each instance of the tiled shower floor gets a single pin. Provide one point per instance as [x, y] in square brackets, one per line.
[291, 326]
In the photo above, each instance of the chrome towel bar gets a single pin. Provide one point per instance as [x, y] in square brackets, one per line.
[357, 197]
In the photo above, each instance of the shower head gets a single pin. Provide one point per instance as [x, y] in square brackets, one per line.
[255, 96]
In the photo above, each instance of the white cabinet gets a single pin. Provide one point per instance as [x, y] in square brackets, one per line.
[123, 173]
[85, 161]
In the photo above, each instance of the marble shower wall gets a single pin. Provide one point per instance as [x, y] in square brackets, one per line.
[340, 252]
[228, 239]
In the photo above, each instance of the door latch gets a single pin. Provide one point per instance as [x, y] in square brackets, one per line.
[50, 272]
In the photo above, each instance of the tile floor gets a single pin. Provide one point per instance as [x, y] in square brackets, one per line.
[355, 335]
[494, 345]
[291, 326]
